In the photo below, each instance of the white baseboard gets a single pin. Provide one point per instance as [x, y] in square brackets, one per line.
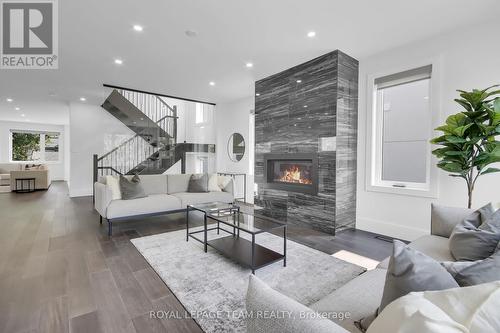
[80, 192]
[390, 229]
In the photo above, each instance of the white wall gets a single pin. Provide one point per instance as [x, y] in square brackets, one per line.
[187, 129]
[56, 169]
[467, 59]
[92, 131]
[234, 118]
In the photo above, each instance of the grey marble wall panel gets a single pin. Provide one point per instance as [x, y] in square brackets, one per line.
[347, 115]
[295, 111]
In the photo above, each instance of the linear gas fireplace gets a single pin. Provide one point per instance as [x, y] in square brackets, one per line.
[292, 172]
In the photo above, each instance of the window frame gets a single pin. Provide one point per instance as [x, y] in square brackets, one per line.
[375, 114]
[42, 134]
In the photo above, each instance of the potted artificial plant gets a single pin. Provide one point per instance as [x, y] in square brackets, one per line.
[468, 142]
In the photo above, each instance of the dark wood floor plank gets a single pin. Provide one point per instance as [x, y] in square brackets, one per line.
[113, 315]
[182, 321]
[95, 261]
[54, 316]
[86, 323]
[154, 287]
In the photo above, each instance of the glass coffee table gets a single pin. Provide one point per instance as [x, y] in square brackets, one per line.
[211, 208]
[246, 252]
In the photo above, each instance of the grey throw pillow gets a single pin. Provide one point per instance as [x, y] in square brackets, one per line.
[198, 183]
[444, 219]
[477, 236]
[484, 271]
[131, 189]
[409, 270]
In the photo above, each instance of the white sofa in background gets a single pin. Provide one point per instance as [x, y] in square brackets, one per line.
[361, 296]
[165, 194]
[41, 175]
[9, 172]
[5, 170]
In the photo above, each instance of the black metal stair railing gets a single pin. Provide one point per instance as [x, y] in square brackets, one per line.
[155, 125]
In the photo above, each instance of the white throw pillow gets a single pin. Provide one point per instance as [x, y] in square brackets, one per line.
[114, 184]
[213, 183]
[468, 309]
[223, 181]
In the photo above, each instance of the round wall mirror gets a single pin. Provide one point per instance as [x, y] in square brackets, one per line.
[236, 147]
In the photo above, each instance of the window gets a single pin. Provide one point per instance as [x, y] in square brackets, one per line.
[402, 129]
[201, 113]
[29, 146]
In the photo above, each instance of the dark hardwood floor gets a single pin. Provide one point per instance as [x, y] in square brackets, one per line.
[60, 272]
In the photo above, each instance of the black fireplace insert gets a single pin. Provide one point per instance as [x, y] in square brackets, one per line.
[292, 172]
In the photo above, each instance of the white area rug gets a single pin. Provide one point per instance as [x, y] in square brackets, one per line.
[209, 283]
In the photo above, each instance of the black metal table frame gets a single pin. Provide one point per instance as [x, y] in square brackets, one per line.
[205, 224]
[29, 181]
[235, 233]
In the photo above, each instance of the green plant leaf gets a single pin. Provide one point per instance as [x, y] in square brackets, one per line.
[439, 140]
[495, 92]
[496, 104]
[452, 167]
[459, 131]
[464, 103]
[456, 120]
[455, 139]
[490, 170]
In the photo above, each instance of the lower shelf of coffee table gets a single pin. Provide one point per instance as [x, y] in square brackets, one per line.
[240, 250]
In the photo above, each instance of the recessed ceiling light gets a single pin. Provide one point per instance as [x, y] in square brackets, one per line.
[299, 118]
[294, 124]
[299, 81]
[10, 100]
[426, 97]
[305, 106]
[142, 118]
[138, 27]
[17, 108]
[23, 115]
[257, 94]
[191, 33]
[118, 61]
[311, 34]
[212, 83]
[83, 99]
[249, 65]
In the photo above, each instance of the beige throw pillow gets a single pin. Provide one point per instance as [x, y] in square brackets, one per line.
[223, 181]
[213, 183]
[114, 184]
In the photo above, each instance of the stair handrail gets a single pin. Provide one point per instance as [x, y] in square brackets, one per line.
[130, 139]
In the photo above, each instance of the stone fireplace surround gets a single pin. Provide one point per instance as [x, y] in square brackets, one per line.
[309, 109]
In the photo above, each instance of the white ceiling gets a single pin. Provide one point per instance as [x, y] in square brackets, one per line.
[270, 34]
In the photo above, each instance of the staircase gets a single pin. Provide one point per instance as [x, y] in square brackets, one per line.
[154, 147]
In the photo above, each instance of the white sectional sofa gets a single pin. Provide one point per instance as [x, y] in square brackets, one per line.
[9, 172]
[361, 296]
[165, 194]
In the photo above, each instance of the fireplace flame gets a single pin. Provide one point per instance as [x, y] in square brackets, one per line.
[293, 175]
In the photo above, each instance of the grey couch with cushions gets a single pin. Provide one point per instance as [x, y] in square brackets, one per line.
[362, 296]
[165, 194]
